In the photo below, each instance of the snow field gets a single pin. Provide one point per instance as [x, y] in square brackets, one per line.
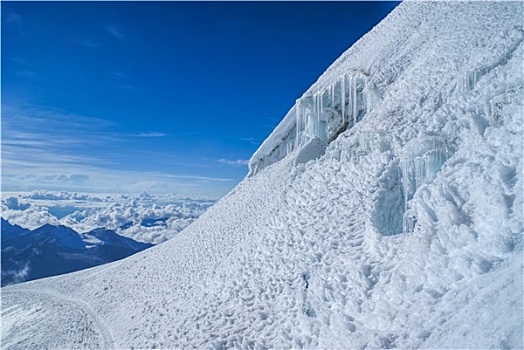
[76, 327]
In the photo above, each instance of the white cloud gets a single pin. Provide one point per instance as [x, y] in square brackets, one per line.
[119, 75]
[62, 195]
[45, 149]
[13, 204]
[59, 178]
[13, 18]
[196, 177]
[151, 134]
[115, 31]
[17, 276]
[251, 140]
[25, 74]
[236, 162]
[144, 217]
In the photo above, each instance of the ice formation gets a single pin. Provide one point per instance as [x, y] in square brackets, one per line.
[323, 115]
[310, 151]
[420, 161]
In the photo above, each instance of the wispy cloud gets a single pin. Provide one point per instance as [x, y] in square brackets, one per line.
[150, 134]
[25, 74]
[56, 178]
[45, 149]
[13, 18]
[119, 75]
[85, 178]
[235, 162]
[250, 140]
[43, 135]
[127, 87]
[35, 117]
[89, 43]
[116, 180]
[18, 60]
[46, 146]
[196, 177]
[116, 32]
[17, 276]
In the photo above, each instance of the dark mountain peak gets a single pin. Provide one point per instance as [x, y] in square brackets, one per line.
[65, 236]
[6, 223]
[110, 237]
[10, 230]
[57, 228]
[51, 250]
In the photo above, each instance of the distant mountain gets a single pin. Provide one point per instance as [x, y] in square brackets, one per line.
[10, 230]
[111, 246]
[54, 250]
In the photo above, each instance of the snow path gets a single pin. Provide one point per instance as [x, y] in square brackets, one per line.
[312, 255]
[79, 326]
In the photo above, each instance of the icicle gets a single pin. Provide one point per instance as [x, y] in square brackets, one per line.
[343, 98]
[298, 121]
[319, 115]
[355, 100]
[421, 160]
[323, 114]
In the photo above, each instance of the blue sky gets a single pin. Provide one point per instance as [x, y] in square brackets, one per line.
[157, 97]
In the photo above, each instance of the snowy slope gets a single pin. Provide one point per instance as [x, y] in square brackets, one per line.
[406, 232]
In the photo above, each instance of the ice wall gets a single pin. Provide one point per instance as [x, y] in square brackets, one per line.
[420, 161]
[323, 115]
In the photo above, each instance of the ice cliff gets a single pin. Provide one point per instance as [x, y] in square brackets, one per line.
[385, 211]
[323, 115]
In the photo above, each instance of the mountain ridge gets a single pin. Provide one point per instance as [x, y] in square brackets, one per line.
[54, 250]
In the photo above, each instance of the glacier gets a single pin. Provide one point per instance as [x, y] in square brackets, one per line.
[384, 211]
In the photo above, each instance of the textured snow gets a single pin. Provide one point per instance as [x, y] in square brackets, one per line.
[316, 254]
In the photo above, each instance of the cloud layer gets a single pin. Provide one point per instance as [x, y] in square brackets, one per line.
[51, 150]
[144, 217]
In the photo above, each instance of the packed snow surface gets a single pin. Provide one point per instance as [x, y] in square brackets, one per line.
[406, 232]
